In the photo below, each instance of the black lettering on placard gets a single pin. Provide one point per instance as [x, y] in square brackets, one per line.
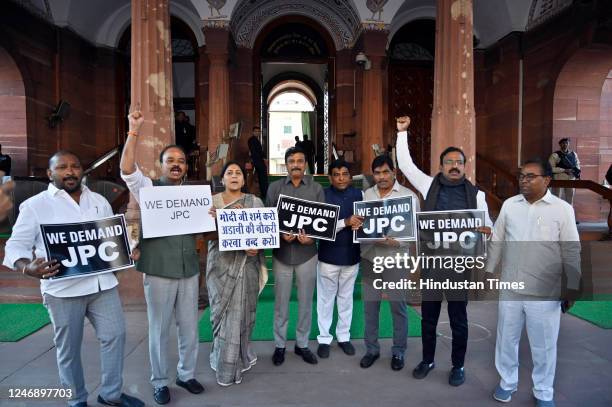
[153, 204]
[178, 215]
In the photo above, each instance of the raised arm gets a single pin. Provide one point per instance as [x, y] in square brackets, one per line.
[128, 156]
[130, 173]
[417, 178]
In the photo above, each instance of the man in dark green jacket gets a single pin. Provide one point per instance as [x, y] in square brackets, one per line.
[171, 268]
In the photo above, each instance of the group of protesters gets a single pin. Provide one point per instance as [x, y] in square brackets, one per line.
[171, 271]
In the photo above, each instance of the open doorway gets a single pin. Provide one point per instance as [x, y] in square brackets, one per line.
[292, 56]
[291, 121]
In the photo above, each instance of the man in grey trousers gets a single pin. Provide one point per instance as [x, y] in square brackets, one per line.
[171, 268]
[297, 254]
[69, 301]
[386, 186]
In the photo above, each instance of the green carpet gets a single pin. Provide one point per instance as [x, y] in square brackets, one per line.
[265, 319]
[596, 312]
[20, 320]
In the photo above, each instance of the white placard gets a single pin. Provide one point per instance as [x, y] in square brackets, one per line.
[251, 228]
[175, 210]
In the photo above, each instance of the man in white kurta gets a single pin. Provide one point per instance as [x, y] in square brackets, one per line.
[69, 301]
[536, 239]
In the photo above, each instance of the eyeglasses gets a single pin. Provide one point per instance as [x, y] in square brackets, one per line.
[529, 177]
[455, 162]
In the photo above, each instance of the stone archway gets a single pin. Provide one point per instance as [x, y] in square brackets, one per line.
[297, 48]
[582, 111]
[339, 18]
[13, 127]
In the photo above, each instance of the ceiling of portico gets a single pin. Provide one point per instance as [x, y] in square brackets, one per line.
[102, 21]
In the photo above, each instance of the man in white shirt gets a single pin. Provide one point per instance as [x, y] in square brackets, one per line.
[536, 235]
[70, 301]
[171, 268]
[386, 187]
[448, 190]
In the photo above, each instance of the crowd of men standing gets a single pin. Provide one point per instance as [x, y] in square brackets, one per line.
[171, 271]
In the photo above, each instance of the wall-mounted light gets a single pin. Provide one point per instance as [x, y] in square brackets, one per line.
[363, 60]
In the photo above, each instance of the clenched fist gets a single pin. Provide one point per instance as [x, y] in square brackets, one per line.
[135, 119]
[402, 123]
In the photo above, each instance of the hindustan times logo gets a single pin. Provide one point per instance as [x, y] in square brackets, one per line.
[459, 264]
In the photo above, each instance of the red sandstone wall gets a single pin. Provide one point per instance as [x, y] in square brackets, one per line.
[13, 128]
[547, 115]
[57, 64]
[581, 111]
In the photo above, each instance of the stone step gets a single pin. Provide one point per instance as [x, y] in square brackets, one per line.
[20, 295]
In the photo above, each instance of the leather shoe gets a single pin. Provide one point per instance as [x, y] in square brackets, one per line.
[323, 350]
[397, 362]
[368, 360]
[80, 404]
[422, 370]
[191, 385]
[306, 355]
[161, 395]
[456, 376]
[278, 357]
[347, 347]
[124, 401]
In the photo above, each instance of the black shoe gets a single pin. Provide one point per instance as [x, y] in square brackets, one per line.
[80, 404]
[397, 362]
[124, 401]
[161, 395]
[323, 350]
[307, 355]
[347, 348]
[456, 376]
[191, 385]
[279, 356]
[422, 370]
[368, 360]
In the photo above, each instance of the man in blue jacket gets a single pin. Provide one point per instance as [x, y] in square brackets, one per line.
[338, 263]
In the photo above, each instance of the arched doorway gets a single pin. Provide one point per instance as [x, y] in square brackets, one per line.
[291, 114]
[582, 111]
[411, 72]
[295, 52]
[13, 128]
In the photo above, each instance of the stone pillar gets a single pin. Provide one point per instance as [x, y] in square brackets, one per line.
[453, 120]
[374, 47]
[151, 87]
[346, 101]
[217, 41]
[242, 101]
[202, 136]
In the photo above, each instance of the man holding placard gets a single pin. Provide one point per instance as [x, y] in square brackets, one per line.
[297, 254]
[338, 263]
[448, 190]
[171, 273]
[386, 187]
[70, 300]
